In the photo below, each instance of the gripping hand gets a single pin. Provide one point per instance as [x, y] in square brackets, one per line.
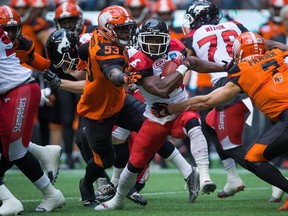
[132, 77]
[51, 79]
[183, 64]
[228, 65]
[160, 110]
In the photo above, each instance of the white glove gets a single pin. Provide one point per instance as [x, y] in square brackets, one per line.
[44, 96]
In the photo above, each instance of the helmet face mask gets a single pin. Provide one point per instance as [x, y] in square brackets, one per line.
[200, 12]
[154, 38]
[61, 49]
[116, 25]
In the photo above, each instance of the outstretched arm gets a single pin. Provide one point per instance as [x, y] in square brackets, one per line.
[201, 102]
[204, 66]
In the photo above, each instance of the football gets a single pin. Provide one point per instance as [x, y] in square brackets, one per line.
[169, 68]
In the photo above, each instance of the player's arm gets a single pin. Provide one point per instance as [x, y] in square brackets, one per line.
[274, 44]
[72, 86]
[201, 102]
[204, 66]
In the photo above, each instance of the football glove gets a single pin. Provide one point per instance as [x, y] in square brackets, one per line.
[228, 65]
[132, 77]
[160, 110]
[51, 79]
[183, 64]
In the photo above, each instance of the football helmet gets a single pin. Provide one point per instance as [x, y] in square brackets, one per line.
[116, 25]
[274, 9]
[11, 23]
[69, 16]
[61, 49]
[200, 12]
[165, 10]
[248, 45]
[138, 9]
[154, 37]
[22, 7]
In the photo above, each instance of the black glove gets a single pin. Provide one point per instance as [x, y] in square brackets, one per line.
[51, 79]
[132, 77]
[160, 110]
[228, 65]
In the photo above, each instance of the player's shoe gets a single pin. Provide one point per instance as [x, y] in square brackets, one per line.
[105, 192]
[135, 197]
[51, 161]
[11, 206]
[231, 188]
[88, 198]
[51, 202]
[208, 187]
[284, 207]
[277, 194]
[110, 205]
[193, 184]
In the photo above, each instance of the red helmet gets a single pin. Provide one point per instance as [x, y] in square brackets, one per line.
[58, 2]
[116, 24]
[22, 7]
[69, 16]
[247, 46]
[39, 3]
[11, 23]
[275, 7]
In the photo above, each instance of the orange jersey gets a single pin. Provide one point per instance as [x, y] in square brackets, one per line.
[270, 29]
[101, 98]
[25, 51]
[265, 80]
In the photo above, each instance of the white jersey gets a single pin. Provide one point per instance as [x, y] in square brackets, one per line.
[139, 61]
[214, 43]
[12, 73]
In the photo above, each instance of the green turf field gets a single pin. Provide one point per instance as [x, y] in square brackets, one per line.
[164, 191]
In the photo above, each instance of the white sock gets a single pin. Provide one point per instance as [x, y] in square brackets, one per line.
[180, 163]
[116, 175]
[199, 150]
[126, 182]
[42, 182]
[230, 167]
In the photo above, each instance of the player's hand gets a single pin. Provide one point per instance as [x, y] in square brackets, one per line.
[132, 77]
[51, 79]
[228, 65]
[160, 110]
[44, 96]
[182, 60]
[81, 65]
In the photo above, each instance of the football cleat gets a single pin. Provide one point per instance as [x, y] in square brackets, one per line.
[110, 205]
[11, 206]
[105, 192]
[88, 198]
[277, 194]
[51, 161]
[51, 202]
[230, 190]
[208, 187]
[284, 207]
[135, 197]
[193, 184]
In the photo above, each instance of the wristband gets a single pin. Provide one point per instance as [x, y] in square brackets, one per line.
[182, 69]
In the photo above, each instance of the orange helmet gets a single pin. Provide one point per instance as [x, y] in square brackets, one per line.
[138, 9]
[69, 16]
[22, 7]
[247, 46]
[165, 10]
[116, 25]
[58, 2]
[275, 7]
[11, 23]
[39, 3]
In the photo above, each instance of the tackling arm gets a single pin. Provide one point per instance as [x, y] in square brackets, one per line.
[201, 102]
[204, 66]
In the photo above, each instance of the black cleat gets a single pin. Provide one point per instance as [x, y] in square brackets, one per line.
[87, 194]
